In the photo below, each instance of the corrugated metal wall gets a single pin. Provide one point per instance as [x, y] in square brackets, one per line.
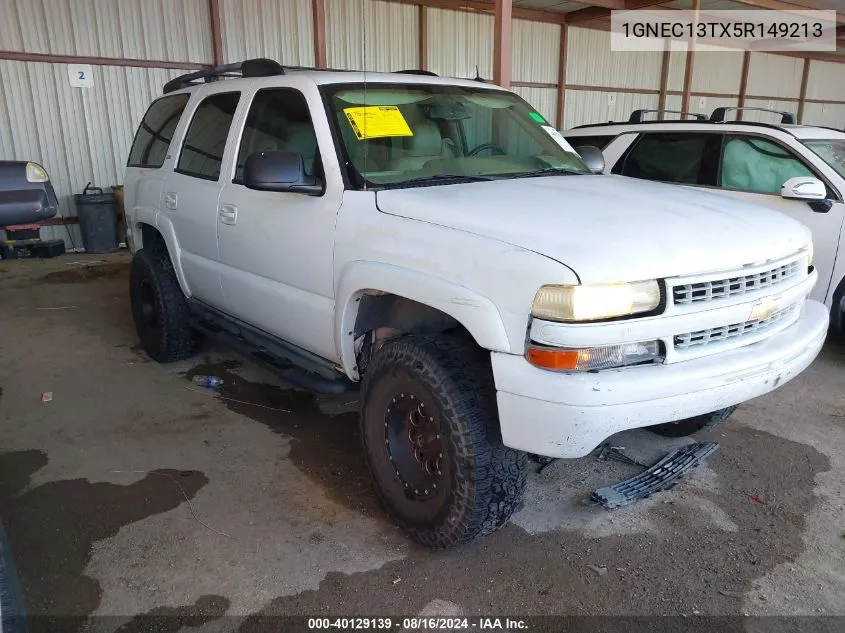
[775, 76]
[590, 62]
[533, 60]
[588, 106]
[79, 136]
[372, 35]
[152, 29]
[267, 28]
[458, 41]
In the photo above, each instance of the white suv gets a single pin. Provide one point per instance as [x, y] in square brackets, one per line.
[439, 242]
[795, 169]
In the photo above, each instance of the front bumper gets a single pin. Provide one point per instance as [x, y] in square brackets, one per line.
[569, 414]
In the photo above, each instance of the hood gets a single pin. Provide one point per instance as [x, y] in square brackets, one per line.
[608, 228]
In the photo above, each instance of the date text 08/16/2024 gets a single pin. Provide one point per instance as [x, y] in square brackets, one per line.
[418, 623]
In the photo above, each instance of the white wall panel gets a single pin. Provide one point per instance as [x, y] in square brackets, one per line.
[774, 75]
[828, 114]
[544, 101]
[590, 62]
[826, 81]
[587, 106]
[769, 104]
[536, 51]
[79, 135]
[458, 41]
[280, 30]
[716, 72]
[372, 35]
[163, 30]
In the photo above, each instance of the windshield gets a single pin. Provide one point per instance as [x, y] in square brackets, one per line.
[393, 135]
[832, 152]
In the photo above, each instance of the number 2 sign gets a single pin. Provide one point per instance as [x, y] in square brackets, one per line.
[80, 75]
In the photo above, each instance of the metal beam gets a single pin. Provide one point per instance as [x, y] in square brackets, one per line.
[802, 96]
[502, 35]
[318, 10]
[488, 6]
[99, 61]
[743, 81]
[664, 74]
[781, 5]
[598, 12]
[422, 34]
[561, 75]
[216, 32]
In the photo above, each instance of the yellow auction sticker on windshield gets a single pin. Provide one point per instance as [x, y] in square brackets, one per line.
[377, 122]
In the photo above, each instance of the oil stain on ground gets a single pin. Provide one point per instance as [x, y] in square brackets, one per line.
[173, 619]
[325, 447]
[680, 567]
[52, 527]
[81, 274]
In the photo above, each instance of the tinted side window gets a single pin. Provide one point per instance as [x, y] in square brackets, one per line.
[755, 164]
[278, 120]
[156, 131]
[205, 141]
[673, 157]
[599, 142]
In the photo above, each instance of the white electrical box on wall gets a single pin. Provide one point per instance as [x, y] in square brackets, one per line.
[80, 75]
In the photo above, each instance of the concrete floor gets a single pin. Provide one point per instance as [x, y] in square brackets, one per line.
[133, 492]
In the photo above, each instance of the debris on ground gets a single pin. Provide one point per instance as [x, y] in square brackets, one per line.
[47, 396]
[601, 570]
[661, 476]
[396, 581]
[212, 382]
[757, 499]
[606, 451]
[543, 462]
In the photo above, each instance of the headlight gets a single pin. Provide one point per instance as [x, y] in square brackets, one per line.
[36, 173]
[589, 303]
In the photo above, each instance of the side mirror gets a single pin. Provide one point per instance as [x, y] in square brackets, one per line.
[804, 188]
[592, 157]
[279, 171]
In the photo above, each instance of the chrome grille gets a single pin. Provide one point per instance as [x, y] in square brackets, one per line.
[725, 332]
[731, 286]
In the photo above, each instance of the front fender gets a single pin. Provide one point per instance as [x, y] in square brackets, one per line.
[153, 217]
[473, 311]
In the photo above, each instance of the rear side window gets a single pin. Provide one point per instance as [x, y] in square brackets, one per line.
[690, 159]
[205, 140]
[153, 137]
[599, 142]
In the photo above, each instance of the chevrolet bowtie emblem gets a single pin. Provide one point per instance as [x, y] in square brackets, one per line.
[763, 309]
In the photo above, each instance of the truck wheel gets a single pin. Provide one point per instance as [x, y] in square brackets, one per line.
[691, 425]
[161, 313]
[432, 440]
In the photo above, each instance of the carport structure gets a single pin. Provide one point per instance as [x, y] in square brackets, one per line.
[554, 53]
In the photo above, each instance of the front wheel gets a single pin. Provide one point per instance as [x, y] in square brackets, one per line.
[432, 440]
[691, 425]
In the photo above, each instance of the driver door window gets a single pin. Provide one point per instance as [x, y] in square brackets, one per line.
[278, 120]
[757, 165]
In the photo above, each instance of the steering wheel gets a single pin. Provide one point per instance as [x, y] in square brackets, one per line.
[497, 149]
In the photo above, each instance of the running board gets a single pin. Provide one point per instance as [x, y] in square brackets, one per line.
[662, 476]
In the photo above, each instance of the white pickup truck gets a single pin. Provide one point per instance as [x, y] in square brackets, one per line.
[437, 241]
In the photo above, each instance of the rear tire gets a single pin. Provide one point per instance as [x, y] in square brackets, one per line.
[431, 437]
[159, 308]
[691, 425]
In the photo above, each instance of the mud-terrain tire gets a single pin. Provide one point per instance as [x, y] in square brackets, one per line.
[429, 395]
[691, 425]
[161, 313]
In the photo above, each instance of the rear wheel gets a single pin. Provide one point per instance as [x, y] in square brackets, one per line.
[691, 425]
[159, 308]
[432, 440]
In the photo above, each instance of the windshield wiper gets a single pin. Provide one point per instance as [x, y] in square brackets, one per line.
[439, 178]
[545, 171]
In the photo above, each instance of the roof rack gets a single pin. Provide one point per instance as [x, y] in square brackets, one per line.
[637, 115]
[416, 71]
[719, 114]
[259, 67]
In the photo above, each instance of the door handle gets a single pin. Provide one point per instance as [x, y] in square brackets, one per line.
[171, 201]
[228, 214]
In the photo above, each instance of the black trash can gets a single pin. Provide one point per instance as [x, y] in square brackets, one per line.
[97, 219]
